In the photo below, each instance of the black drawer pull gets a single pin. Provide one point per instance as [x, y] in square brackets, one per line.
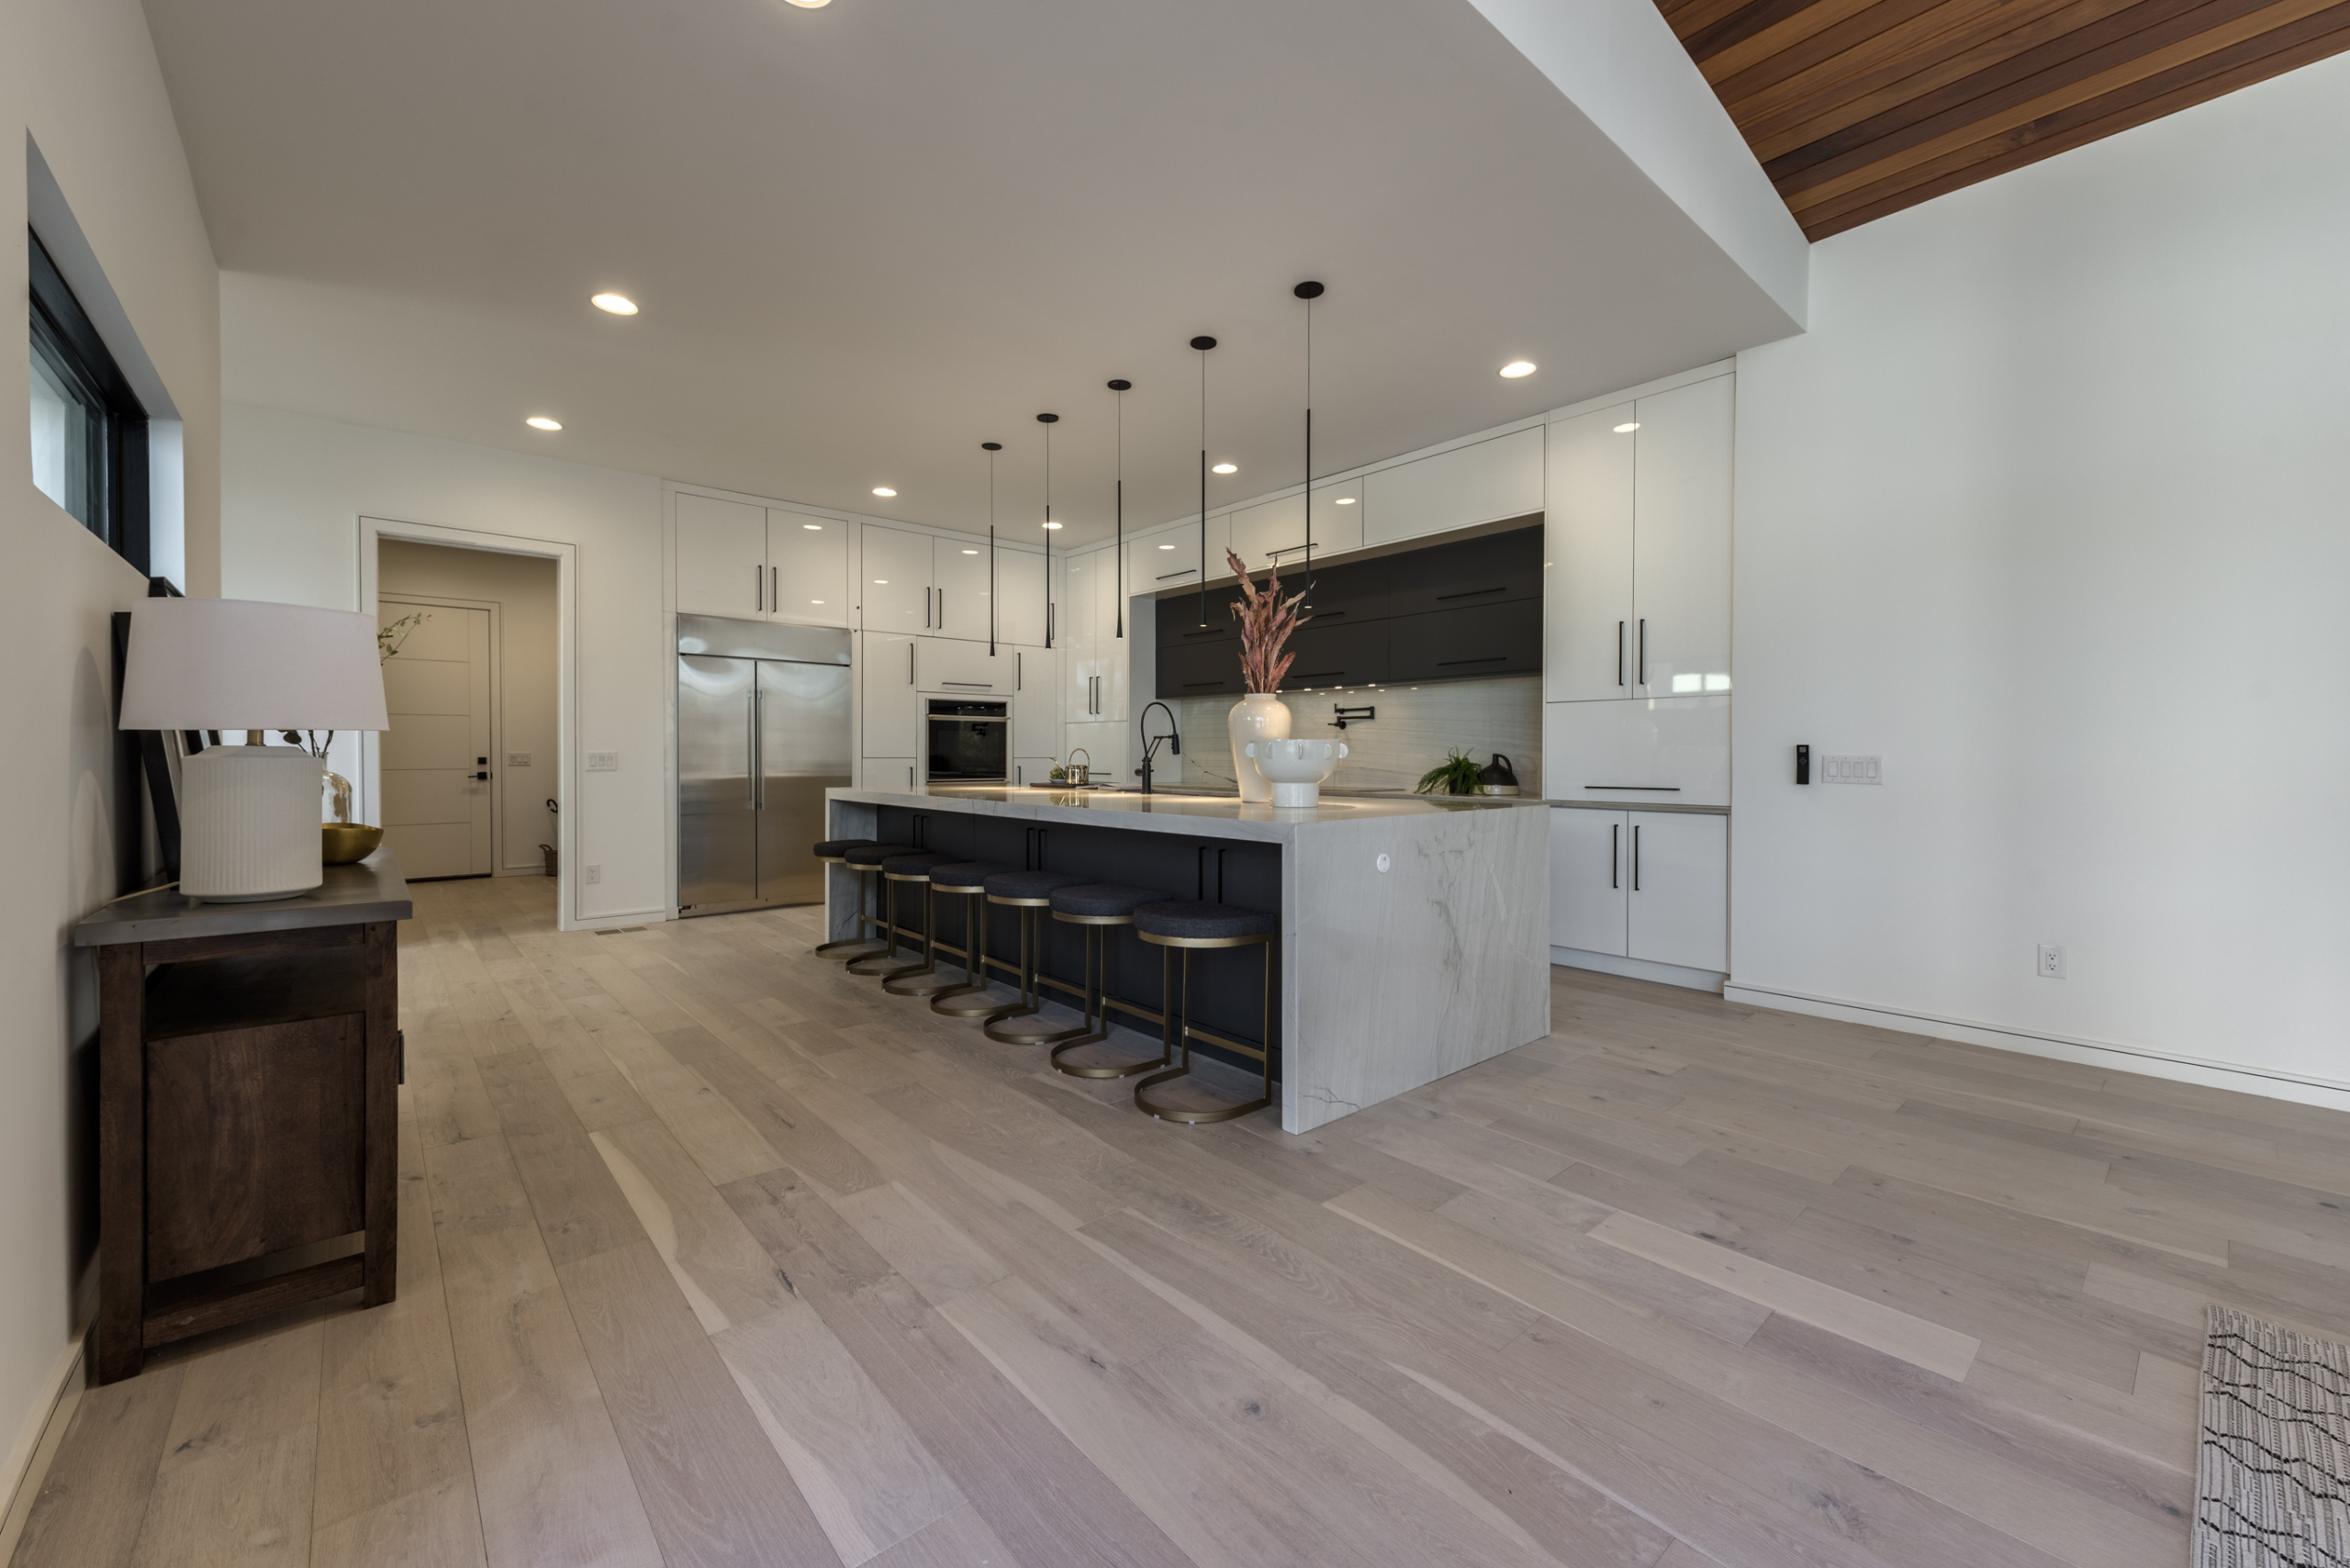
[1653, 789]
[1317, 675]
[1208, 631]
[1184, 572]
[1488, 660]
[1189, 684]
[1324, 614]
[1471, 593]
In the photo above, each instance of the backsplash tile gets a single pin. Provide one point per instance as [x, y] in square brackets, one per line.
[1416, 727]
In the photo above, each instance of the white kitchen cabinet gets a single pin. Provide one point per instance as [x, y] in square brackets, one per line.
[888, 726]
[1679, 909]
[1668, 750]
[1648, 885]
[962, 600]
[1681, 540]
[1470, 484]
[807, 568]
[887, 773]
[1274, 533]
[1114, 632]
[1167, 559]
[954, 666]
[1588, 548]
[1020, 597]
[1080, 640]
[1110, 748]
[894, 580]
[722, 557]
[1036, 702]
[1033, 772]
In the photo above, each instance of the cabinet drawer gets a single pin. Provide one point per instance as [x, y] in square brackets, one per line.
[1201, 670]
[1352, 593]
[1179, 621]
[1668, 750]
[951, 664]
[1498, 569]
[1454, 644]
[1344, 655]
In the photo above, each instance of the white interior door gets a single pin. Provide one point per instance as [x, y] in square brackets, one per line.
[437, 805]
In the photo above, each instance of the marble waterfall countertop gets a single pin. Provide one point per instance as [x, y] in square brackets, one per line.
[1415, 932]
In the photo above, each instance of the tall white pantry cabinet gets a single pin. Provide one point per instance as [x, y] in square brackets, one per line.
[1637, 677]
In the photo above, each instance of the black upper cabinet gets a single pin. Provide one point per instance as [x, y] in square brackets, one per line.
[1499, 568]
[1352, 593]
[1178, 619]
[1349, 653]
[1203, 669]
[1450, 644]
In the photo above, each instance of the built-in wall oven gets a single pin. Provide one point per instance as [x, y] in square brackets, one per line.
[969, 741]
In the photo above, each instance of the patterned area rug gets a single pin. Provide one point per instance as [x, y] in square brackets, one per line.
[2272, 1472]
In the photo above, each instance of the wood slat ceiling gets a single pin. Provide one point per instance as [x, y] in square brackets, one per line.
[1857, 109]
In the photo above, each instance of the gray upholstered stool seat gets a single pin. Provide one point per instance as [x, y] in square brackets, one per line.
[1189, 924]
[965, 877]
[1034, 888]
[871, 854]
[1028, 891]
[1095, 907]
[968, 878]
[836, 852]
[1184, 920]
[835, 849]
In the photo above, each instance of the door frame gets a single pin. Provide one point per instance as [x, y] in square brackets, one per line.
[368, 785]
[497, 867]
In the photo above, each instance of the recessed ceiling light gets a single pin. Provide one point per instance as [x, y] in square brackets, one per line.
[881, 582]
[1225, 468]
[1167, 547]
[970, 551]
[618, 304]
[1346, 500]
[815, 601]
[1048, 525]
[813, 527]
[541, 422]
[812, 5]
[883, 490]
[1519, 367]
[1626, 429]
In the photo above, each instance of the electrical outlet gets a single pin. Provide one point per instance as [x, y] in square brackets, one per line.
[2051, 962]
[594, 874]
[603, 762]
[1851, 771]
[517, 759]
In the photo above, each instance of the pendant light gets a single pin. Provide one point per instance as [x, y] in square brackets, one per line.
[1203, 344]
[1309, 291]
[1048, 421]
[1118, 560]
[992, 448]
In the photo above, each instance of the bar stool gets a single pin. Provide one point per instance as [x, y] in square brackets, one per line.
[1097, 906]
[834, 852]
[1186, 925]
[913, 868]
[866, 859]
[968, 879]
[1026, 892]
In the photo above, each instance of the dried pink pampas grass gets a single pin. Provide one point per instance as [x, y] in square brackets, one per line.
[1266, 622]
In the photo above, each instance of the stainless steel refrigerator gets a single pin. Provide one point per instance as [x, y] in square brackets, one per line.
[763, 730]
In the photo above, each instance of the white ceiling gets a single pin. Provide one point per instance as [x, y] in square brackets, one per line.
[867, 238]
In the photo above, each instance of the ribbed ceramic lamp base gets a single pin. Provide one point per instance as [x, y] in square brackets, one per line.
[248, 824]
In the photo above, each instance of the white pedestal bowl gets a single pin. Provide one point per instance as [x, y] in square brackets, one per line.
[1296, 768]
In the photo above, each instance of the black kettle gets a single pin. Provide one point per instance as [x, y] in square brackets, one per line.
[1499, 777]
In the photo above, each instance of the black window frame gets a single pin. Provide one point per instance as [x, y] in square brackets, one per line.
[63, 334]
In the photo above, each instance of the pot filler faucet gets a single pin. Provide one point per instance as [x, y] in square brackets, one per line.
[1150, 742]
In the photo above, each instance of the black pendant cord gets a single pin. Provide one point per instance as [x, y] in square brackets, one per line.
[1048, 421]
[992, 448]
[1203, 344]
[1118, 561]
[1309, 291]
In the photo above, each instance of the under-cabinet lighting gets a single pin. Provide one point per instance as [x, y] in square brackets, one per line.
[1519, 367]
[541, 422]
[618, 304]
[883, 490]
[1627, 429]
[1225, 468]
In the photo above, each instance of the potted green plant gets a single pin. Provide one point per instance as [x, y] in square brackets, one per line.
[1458, 774]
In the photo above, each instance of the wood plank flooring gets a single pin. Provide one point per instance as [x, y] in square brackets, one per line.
[713, 1254]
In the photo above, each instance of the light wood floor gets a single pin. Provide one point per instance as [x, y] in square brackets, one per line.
[713, 1254]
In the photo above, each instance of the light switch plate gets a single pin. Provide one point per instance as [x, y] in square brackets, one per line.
[1851, 771]
[517, 759]
[603, 762]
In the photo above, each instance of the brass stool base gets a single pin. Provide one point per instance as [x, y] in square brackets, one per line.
[850, 948]
[1173, 1114]
[1179, 1032]
[1080, 1069]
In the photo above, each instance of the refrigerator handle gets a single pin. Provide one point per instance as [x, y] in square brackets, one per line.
[751, 770]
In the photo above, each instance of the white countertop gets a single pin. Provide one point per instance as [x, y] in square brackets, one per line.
[1198, 816]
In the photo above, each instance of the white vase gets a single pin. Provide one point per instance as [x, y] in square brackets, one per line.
[1260, 716]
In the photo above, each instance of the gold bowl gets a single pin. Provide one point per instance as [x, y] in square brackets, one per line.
[345, 843]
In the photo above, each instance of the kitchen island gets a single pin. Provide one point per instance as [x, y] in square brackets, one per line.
[1415, 934]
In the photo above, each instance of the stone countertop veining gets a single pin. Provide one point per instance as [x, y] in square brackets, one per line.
[1209, 816]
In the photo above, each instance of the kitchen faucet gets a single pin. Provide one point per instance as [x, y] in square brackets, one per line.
[1173, 737]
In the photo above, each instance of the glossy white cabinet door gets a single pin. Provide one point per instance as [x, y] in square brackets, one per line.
[1036, 702]
[1020, 597]
[1168, 559]
[1680, 906]
[1110, 748]
[962, 603]
[1671, 751]
[886, 706]
[1078, 639]
[954, 666]
[1110, 646]
[1589, 884]
[1469, 485]
[1681, 545]
[1273, 535]
[807, 568]
[1033, 772]
[722, 558]
[1587, 558]
[895, 586]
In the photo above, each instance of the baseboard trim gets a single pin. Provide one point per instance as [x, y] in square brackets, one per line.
[1640, 969]
[37, 1444]
[2269, 1082]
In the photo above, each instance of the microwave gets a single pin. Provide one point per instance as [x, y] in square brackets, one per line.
[968, 742]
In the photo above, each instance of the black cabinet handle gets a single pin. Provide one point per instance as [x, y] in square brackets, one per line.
[1636, 858]
[1619, 653]
[1206, 632]
[1614, 848]
[1653, 789]
[1325, 614]
[758, 587]
[1644, 681]
[1472, 593]
[1488, 660]
[1184, 572]
[1189, 685]
[1319, 675]
[483, 775]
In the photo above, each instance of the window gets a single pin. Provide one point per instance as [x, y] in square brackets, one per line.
[89, 432]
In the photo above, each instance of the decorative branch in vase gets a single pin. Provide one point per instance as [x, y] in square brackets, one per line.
[1266, 622]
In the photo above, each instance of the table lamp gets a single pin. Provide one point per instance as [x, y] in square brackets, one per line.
[248, 814]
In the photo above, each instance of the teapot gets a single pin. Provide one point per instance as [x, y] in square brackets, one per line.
[1500, 778]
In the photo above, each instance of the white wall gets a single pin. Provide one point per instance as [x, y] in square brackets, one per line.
[294, 488]
[2048, 510]
[78, 78]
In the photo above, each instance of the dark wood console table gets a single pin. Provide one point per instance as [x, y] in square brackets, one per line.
[247, 1105]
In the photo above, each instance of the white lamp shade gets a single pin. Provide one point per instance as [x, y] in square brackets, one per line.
[246, 664]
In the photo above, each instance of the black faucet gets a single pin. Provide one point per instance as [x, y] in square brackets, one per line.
[1173, 737]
